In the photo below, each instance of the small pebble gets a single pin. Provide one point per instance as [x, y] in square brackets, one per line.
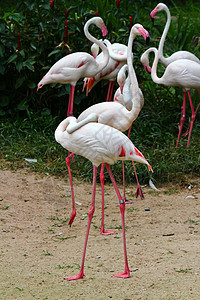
[147, 209]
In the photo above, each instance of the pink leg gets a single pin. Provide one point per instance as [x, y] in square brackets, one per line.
[129, 131]
[192, 118]
[139, 190]
[126, 273]
[90, 215]
[182, 118]
[199, 102]
[187, 131]
[103, 231]
[73, 214]
[71, 100]
[110, 89]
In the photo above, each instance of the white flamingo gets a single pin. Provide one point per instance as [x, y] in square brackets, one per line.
[100, 144]
[184, 73]
[177, 55]
[72, 67]
[167, 60]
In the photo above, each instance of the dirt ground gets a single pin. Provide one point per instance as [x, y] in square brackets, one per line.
[38, 248]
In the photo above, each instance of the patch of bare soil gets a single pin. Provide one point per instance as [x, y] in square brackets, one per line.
[38, 248]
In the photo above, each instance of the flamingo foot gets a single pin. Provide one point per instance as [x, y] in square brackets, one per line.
[107, 232]
[139, 192]
[127, 201]
[73, 215]
[126, 274]
[79, 276]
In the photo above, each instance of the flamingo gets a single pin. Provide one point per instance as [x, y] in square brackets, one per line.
[111, 70]
[165, 61]
[101, 144]
[116, 115]
[72, 67]
[177, 55]
[184, 73]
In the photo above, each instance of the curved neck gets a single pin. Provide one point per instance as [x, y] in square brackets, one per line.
[90, 37]
[131, 71]
[113, 55]
[154, 76]
[164, 34]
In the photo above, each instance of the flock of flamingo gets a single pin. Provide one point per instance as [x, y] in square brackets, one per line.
[97, 134]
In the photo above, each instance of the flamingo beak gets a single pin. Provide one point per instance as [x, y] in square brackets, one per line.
[147, 69]
[145, 34]
[104, 31]
[153, 13]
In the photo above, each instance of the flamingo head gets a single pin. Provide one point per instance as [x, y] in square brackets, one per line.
[159, 7]
[39, 86]
[43, 82]
[121, 77]
[138, 29]
[145, 62]
[100, 24]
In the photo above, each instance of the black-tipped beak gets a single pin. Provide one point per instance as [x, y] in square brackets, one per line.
[147, 40]
[104, 37]
[146, 69]
[152, 19]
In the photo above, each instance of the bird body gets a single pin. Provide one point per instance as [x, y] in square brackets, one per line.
[183, 73]
[112, 114]
[70, 68]
[98, 143]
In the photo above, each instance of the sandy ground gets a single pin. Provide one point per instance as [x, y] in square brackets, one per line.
[38, 248]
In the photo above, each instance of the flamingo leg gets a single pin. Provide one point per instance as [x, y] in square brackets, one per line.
[139, 190]
[195, 115]
[182, 118]
[90, 215]
[71, 101]
[199, 102]
[73, 214]
[103, 231]
[126, 273]
[110, 90]
[192, 118]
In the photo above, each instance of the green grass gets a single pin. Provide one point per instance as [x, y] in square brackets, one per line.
[33, 137]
